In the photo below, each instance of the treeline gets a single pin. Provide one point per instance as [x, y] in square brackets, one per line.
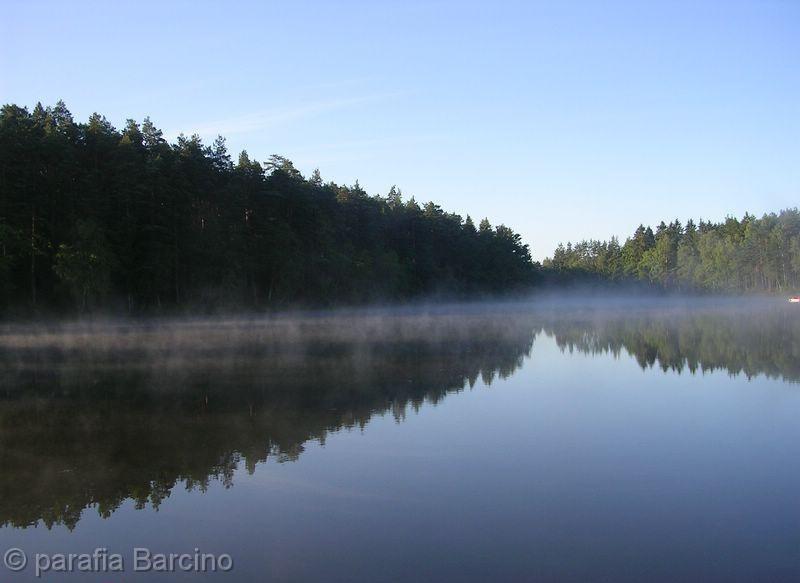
[94, 217]
[747, 255]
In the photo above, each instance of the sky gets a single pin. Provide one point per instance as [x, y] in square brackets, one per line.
[563, 120]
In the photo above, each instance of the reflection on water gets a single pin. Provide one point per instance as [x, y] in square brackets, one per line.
[94, 415]
[127, 412]
[740, 341]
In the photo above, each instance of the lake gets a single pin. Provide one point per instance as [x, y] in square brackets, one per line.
[625, 440]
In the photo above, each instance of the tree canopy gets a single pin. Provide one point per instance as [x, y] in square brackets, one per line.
[92, 216]
[736, 255]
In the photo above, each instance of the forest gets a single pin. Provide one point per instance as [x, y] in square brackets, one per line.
[736, 255]
[94, 217]
[98, 218]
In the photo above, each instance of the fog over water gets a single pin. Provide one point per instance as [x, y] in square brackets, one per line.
[623, 439]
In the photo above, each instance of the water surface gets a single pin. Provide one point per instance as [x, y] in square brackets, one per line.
[628, 443]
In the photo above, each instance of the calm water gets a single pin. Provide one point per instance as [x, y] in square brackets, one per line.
[629, 443]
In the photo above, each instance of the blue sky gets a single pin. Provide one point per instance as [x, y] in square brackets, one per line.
[561, 119]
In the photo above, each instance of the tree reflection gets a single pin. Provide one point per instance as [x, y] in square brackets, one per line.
[94, 415]
[743, 340]
[92, 418]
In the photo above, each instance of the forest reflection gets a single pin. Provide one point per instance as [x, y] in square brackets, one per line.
[750, 339]
[93, 415]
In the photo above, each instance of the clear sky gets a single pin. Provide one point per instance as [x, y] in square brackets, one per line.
[562, 119]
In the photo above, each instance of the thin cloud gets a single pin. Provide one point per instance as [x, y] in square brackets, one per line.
[261, 120]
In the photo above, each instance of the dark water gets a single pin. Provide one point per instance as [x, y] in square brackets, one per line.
[628, 443]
